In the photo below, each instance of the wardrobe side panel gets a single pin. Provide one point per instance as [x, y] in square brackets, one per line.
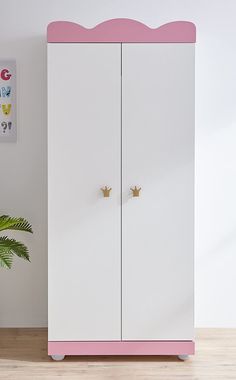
[83, 226]
[158, 156]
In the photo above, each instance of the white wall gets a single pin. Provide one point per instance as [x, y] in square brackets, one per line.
[23, 290]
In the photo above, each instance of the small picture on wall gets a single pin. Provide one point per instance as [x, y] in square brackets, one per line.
[7, 101]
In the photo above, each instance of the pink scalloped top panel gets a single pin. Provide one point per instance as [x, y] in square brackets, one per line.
[121, 30]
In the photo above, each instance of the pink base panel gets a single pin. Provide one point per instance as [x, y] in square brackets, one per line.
[122, 348]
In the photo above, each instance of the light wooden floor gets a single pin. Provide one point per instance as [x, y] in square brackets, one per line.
[23, 355]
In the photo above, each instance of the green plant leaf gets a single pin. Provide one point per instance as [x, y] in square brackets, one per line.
[5, 259]
[11, 223]
[13, 247]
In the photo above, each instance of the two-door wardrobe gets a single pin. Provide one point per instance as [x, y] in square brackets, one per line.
[121, 189]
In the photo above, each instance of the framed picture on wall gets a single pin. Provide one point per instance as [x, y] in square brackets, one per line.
[8, 101]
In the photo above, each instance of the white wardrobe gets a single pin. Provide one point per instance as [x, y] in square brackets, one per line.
[120, 188]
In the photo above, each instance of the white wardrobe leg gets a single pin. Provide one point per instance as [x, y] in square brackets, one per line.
[58, 357]
[183, 357]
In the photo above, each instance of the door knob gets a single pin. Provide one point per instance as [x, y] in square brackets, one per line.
[106, 191]
[135, 191]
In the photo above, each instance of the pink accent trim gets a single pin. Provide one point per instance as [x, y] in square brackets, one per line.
[122, 348]
[121, 30]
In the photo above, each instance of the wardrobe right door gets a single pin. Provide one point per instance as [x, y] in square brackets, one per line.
[158, 157]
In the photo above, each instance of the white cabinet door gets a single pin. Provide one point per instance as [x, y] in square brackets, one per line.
[83, 156]
[158, 156]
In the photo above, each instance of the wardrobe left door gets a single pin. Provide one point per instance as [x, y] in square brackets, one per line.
[84, 227]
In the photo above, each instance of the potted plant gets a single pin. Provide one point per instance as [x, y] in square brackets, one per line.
[10, 247]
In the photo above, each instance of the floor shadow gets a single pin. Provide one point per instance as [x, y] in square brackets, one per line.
[30, 345]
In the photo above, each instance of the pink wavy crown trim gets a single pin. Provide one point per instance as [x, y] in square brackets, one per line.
[121, 30]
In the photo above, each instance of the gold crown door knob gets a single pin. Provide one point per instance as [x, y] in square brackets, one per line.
[135, 191]
[106, 191]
